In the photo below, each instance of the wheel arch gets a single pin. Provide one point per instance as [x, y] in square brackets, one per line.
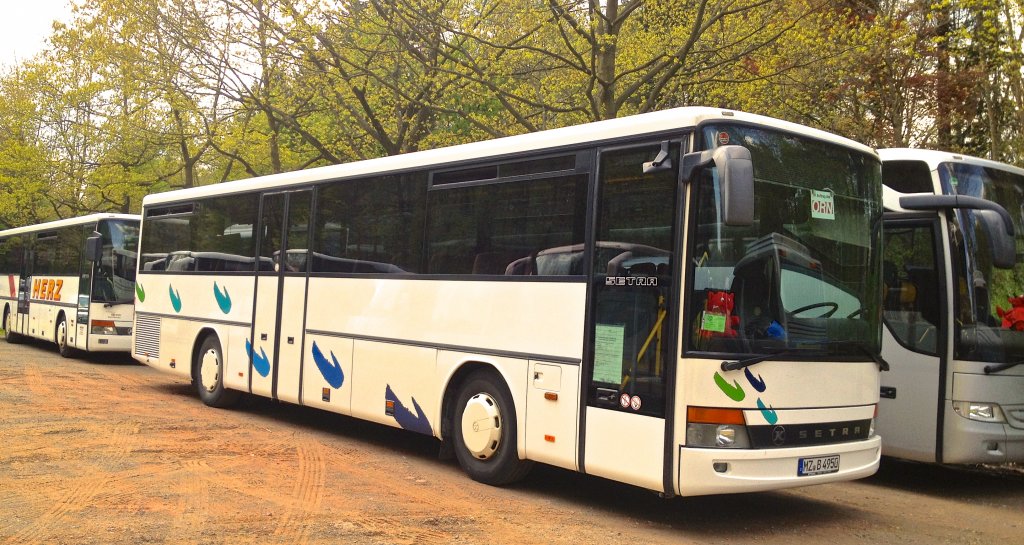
[460, 374]
[61, 317]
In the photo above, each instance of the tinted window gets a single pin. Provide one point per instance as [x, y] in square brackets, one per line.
[11, 255]
[911, 283]
[56, 252]
[213, 235]
[907, 176]
[505, 228]
[371, 226]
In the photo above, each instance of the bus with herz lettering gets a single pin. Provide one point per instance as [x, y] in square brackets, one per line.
[71, 282]
[686, 300]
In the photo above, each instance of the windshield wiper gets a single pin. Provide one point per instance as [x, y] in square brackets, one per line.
[989, 369]
[109, 304]
[747, 362]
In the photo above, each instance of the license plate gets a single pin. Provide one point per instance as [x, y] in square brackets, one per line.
[819, 465]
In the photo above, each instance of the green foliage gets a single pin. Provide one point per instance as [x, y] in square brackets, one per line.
[140, 96]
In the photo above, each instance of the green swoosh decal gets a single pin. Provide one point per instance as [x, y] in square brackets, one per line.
[140, 293]
[734, 390]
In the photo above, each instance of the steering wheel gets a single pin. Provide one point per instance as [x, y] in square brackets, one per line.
[857, 312]
[832, 310]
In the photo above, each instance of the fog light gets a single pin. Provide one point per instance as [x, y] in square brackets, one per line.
[720, 467]
[725, 436]
[980, 411]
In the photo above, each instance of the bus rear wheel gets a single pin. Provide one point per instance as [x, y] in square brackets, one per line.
[484, 430]
[209, 375]
[61, 337]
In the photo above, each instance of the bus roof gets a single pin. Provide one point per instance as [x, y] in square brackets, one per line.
[934, 158]
[600, 131]
[68, 222]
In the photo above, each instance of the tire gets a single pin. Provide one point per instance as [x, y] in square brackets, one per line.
[489, 453]
[209, 375]
[60, 336]
[10, 336]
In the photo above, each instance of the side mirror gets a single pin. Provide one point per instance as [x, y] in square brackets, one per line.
[996, 220]
[735, 178]
[94, 248]
[1003, 247]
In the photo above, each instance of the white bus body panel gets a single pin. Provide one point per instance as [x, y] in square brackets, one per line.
[626, 447]
[795, 399]
[908, 422]
[552, 425]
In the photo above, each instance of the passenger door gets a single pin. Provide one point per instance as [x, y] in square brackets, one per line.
[275, 352]
[913, 338]
[632, 316]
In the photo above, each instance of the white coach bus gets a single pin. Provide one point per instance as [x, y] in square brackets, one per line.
[71, 282]
[954, 309]
[687, 300]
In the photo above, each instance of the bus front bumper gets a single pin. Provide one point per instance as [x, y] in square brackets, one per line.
[110, 343]
[972, 442]
[723, 471]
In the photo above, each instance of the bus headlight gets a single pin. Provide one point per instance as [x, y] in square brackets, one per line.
[980, 411]
[716, 428]
[717, 436]
[108, 327]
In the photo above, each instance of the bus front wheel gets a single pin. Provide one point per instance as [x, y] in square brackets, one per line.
[9, 335]
[209, 375]
[484, 430]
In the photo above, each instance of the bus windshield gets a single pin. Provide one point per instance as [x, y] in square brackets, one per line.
[989, 313]
[114, 275]
[805, 274]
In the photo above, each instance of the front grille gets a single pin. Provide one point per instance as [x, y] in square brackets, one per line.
[147, 336]
[798, 435]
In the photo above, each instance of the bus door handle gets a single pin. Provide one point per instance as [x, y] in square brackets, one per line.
[263, 336]
[291, 340]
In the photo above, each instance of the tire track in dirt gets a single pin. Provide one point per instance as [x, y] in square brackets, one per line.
[307, 493]
[193, 502]
[79, 493]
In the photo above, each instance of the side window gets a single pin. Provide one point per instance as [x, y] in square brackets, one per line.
[299, 207]
[371, 226]
[522, 227]
[44, 254]
[222, 234]
[11, 255]
[271, 237]
[907, 176]
[911, 285]
[168, 238]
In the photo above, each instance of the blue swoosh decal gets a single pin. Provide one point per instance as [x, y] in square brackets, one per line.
[260, 362]
[767, 412]
[331, 371]
[757, 383]
[417, 423]
[175, 299]
[223, 301]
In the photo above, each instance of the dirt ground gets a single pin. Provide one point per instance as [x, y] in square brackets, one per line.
[102, 450]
